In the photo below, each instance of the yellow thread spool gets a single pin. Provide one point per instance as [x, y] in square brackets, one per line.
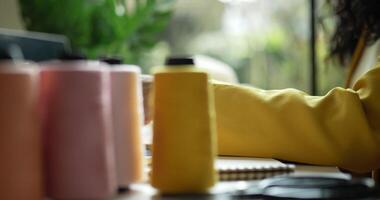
[184, 131]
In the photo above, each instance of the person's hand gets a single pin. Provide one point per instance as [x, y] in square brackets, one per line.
[147, 81]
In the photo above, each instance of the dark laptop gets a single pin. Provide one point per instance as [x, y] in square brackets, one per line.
[32, 45]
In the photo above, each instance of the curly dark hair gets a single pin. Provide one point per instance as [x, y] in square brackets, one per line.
[352, 18]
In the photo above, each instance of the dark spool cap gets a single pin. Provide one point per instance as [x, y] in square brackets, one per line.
[72, 56]
[174, 61]
[122, 190]
[5, 55]
[112, 60]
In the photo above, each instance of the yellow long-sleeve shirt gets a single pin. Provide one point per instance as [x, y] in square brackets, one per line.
[340, 129]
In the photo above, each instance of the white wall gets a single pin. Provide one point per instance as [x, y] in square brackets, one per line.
[9, 14]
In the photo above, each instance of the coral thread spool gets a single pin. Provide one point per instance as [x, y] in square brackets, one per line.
[20, 139]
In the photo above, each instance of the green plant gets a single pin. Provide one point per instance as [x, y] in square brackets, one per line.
[125, 28]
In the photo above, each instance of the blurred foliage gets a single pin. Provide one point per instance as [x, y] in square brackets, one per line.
[272, 54]
[269, 49]
[126, 28]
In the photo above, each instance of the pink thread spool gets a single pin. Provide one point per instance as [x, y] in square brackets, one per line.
[20, 138]
[127, 116]
[77, 128]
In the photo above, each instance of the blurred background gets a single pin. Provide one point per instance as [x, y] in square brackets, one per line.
[266, 42]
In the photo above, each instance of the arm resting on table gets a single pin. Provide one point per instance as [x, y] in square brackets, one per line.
[341, 128]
